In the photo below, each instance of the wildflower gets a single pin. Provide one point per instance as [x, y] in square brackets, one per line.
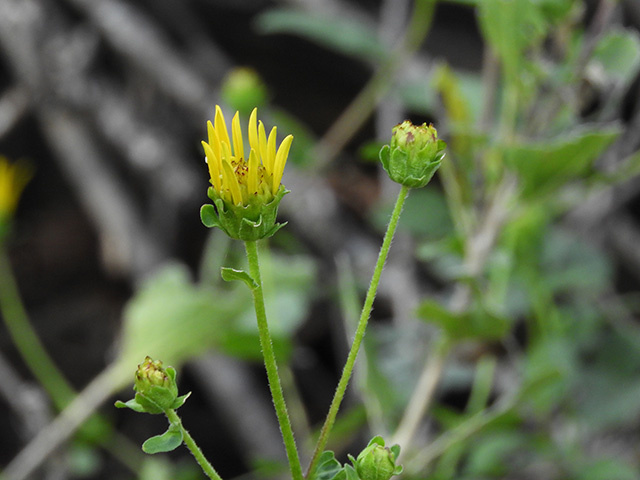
[414, 155]
[245, 184]
[13, 179]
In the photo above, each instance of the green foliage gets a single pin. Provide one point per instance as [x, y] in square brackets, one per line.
[354, 39]
[618, 54]
[473, 324]
[167, 442]
[546, 166]
[173, 319]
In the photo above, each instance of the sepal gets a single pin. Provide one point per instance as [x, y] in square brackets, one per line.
[250, 222]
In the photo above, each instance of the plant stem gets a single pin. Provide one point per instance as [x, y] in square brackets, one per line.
[26, 339]
[270, 363]
[191, 444]
[44, 368]
[360, 331]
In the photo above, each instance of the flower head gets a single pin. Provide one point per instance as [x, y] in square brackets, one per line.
[13, 178]
[414, 155]
[156, 389]
[377, 462]
[245, 182]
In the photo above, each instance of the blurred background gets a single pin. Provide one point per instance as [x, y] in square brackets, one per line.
[523, 254]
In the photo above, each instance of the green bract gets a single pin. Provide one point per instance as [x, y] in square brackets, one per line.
[414, 155]
[250, 222]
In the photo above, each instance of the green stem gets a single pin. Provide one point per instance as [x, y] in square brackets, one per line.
[360, 331]
[271, 365]
[44, 368]
[27, 341]
[191, 444]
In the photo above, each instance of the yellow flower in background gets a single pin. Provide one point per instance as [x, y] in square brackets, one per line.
[13, 178]
[245, 179]
[239, 176]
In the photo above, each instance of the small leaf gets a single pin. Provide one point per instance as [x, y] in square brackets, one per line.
[132, 404]
[231, 274]
[545, 166]
[328, 467]
[350, 472]
[168, 441]
[477, 323]
[618, 52]
[355, 38]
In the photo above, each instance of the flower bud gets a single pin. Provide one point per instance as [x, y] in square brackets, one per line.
[149, 374]
[156, 389]
[377, 462]
[414, 155]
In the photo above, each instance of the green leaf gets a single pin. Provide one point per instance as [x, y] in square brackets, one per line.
[606, 469]
[618, 53]
[132, 404]
[328, 467]
[172, 319]
[511, 27]
[477, 323]
[347, 473]
[341, 34]
[231, 275]
[545, 166]
[168, 441]
[550, 363]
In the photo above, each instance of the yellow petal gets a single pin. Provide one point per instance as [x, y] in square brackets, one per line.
[214, 140]
[252, 174]
[226, 153]
[238, 147]
[253, 131]
[271, 150]
[262, 143]
[213, 162]
[280, 162]
[221, 128]
[231, 182]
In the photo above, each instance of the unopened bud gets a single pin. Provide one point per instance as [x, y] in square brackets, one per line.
[414, 154]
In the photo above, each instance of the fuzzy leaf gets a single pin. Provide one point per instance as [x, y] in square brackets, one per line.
[168, 441]
[231, 274]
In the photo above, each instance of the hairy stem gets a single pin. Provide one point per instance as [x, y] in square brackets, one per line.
[271, 365]
[190, 443]
[360, 331]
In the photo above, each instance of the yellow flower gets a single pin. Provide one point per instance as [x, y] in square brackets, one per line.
[245, 183]
[13, 179]
[244, 177]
